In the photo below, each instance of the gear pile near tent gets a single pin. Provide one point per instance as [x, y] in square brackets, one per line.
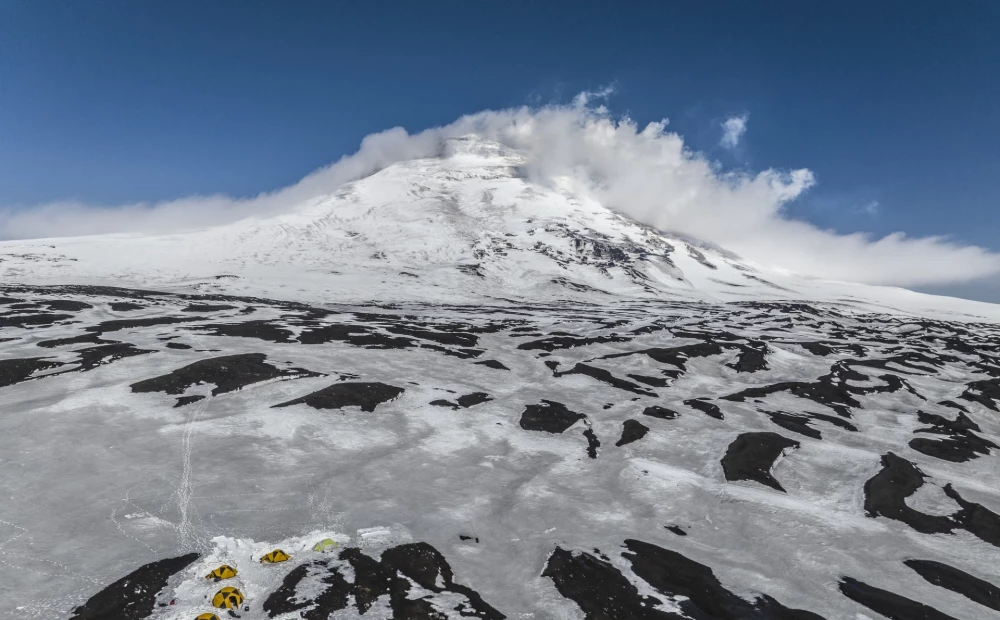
[227, 598]
[274, 557]
[207, 616]
[223, 572]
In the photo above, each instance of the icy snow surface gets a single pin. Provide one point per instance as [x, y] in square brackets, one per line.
[501, 400]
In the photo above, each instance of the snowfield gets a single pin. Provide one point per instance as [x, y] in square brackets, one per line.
[501, 400]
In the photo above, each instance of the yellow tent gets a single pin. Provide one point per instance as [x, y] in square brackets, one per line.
[274, 557]
[223, 572]
[227, 598]
[207, 617]
[325, 545]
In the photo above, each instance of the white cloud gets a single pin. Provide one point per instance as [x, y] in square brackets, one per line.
[733, 129]
[646, 173]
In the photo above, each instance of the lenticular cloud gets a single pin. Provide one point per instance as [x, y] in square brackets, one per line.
[645, 173]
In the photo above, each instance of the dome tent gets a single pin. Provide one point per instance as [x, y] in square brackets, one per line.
[207, 616]
[227, 598]
[326, 544]
[274, 557]
[223, 572]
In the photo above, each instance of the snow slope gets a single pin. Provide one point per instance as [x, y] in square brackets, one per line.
[501, 400]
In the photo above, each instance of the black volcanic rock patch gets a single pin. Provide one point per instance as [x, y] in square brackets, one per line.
[125, 306]
[820, 392]
[349, 394]
[702, 405]
[261, 330]
[652, 381]
[674, 575]
[93, 338]
[120, 324]
[676, 529]
[606, 377]
[492, 364]
[986, 393]
[549, 417]
[208, 308]
[178, 345]
[228, 373]
[459, 339]
[465, 401]
[284, 600]
[975, 518]
[593, 443]
[656, 411]
[133, 596]
[751, 457]
[961, 443]
[599, 589]
[92, 357]
[603, 593]
[801, 423]
[32, 320]
[330, 333]
[65, 305]
[886, 493]
[187, 400]
[949, 577]
[632, 430]
[425, 566]
[753, 358]
[19, 370]
[553, 343]
[889, 604]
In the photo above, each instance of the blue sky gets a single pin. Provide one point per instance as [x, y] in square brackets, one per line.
[894, 106]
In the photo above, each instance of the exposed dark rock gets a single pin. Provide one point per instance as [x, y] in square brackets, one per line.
[606, 377]
[120, 324]
[93, 338]
[65, 305]
[492, 364]
[986, 393]
[262, 330]
[125, 306]
[676, 529]
[961, 445]
[949, 577]
[975, 518]
[632, 431]
[889, 604]
[751, 457]
[133, 596]
[92, 357]
[567, 342]
[656, 411]
[549, 417]
[349, 394]
[672, 574]
[886, 493]
[593, 443]
[32, 320]
[187, 400]
[19, 370]
[178, 345]
[208, 308]
[228, 373]
[599, 589]
[709, 409]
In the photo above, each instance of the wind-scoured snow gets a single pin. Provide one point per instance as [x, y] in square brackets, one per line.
[500, 400]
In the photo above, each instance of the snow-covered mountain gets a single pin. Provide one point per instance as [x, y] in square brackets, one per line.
[465, 227]
[492, 399]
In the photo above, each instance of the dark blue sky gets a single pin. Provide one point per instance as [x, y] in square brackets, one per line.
[894, 102]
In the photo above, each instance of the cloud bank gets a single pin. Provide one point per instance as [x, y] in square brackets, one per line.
[646, 173]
